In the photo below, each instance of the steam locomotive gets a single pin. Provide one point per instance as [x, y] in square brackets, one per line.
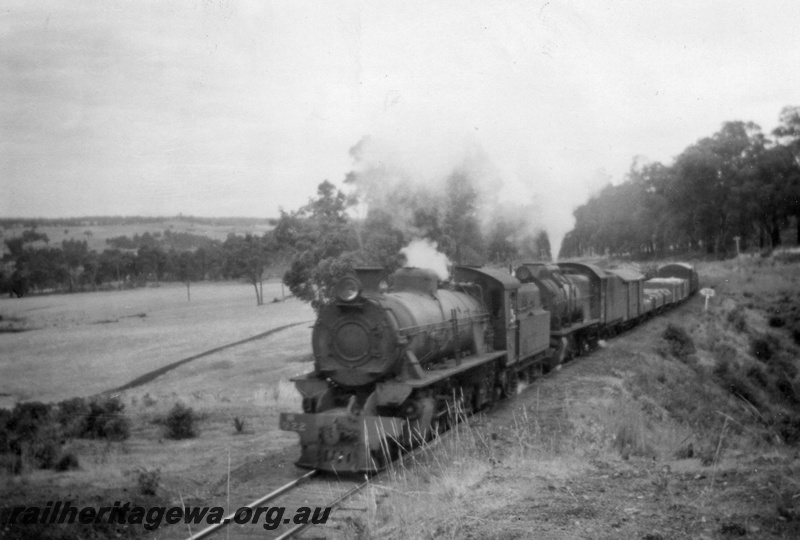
[398, 358]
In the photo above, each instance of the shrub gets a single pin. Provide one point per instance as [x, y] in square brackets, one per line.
[680, 343]
[28, 418]
[707, 455]
[722, 369]
[10, 463]
[787, 390]
[180, 422]
[796, 333]
[761, 348]
[238, 424]
[737, 319]
[685, 452]
[67, 462]
[783, 366]
[757, 374]
[725, 353]
[740, 387]
[106, 420]
[72, 415]
[789, 428]
[148, 480]
[44, 452]
[732, 529]
[116, 429]
[776, 322]
[102, 418]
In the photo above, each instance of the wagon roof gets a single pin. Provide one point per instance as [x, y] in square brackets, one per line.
[626, 274]
[660, 280]
[596, 270]
[504, 278]
[684, 266]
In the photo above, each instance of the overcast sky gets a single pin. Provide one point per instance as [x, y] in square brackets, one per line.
[237, 108]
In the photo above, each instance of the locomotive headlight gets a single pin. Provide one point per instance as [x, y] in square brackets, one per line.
[348, 289]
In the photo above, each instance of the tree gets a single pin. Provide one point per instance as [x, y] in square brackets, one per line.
[381, 242]
[461, 222]
[186, 270]
[110, 266]
[543, 246]
[152, 259]
[500, 246]
[247, 257]
[323, 243]
[788, 135]
[734, 183]
[75, 253]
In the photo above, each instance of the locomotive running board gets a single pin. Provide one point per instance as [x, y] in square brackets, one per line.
[570, 329]
[435, 375]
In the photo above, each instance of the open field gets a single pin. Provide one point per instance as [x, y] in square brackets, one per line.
[83, 344]
[638, 439]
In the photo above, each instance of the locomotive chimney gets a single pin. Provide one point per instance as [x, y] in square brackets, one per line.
[371, 278]
[419, 280]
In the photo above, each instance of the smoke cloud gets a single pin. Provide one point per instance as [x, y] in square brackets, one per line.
[424, 254]
[404, 179]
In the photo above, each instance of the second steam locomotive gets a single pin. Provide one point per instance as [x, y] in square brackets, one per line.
[398, 357]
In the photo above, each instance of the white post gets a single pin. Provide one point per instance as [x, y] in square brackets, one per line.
[707, 293]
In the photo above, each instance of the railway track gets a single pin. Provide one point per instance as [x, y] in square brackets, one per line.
[312, 489]
[152, 375]
[302, 491]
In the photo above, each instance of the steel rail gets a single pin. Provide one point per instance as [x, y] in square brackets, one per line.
[229, 518]
[297, 528]
[427, 446]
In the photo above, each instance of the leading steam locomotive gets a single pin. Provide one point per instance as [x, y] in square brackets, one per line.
[398, 357]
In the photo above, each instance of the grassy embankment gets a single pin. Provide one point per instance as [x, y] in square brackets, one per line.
[686, 427]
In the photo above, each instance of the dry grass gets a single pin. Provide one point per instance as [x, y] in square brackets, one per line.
[92, 358]
[447, 490]
[703, 414]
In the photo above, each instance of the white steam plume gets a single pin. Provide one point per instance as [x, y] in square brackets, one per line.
[424, 254]
[400, 181]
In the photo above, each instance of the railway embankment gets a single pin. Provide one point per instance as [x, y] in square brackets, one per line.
[685, 427]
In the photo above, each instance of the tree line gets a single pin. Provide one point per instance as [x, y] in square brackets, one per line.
[310, 247]
[32, 265]
[90, 221]
[323, 241]
[736, 183]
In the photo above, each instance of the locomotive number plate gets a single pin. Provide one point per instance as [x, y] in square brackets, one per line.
[293, 422]
[293, 426]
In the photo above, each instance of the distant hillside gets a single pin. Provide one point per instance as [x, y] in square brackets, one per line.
[97, 229]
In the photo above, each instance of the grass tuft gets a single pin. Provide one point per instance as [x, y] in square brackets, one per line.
[148, 480]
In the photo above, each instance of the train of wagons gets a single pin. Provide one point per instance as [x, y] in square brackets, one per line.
[395, 356]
